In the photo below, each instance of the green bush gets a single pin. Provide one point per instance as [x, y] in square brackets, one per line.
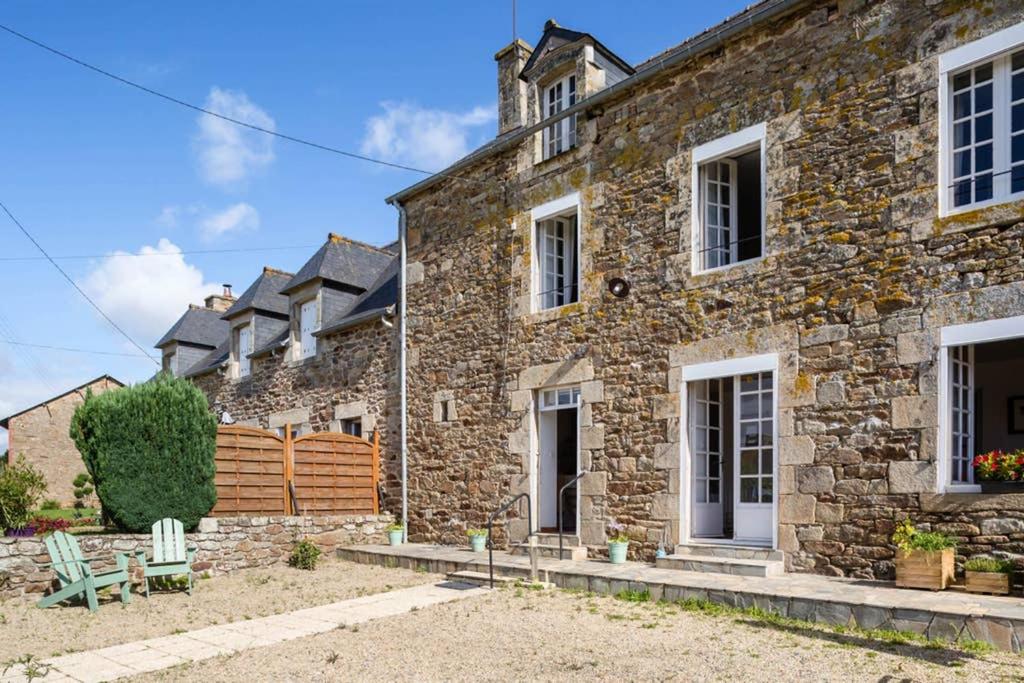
[50, 504]
[149, 449]
[21, 487]
[988, 564]
[305, 555]
[82, 489]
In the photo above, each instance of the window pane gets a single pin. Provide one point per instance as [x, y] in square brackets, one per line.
[1018, 60]
[961, 194]
[961, 105]
[983, 187]
[766, 461]
[1018, 87]
[713, 467]
[766, 433]
[748, 462]
[766, 380]
[983, 128]
[702, 467]
[748, 382]
[701, 493]
[1017, 179]
[713, 491]
[1017, 148]
[748, 434]
[983, 73]
[766, 405]
[702, 441]
[713, 410]
[961, 164]
[748, 490]
[713, 438]
[701, 412]
[983, 98]
[748, 406]
[961, 81]
[766, 490]
[1017, 117]
[983, 157]
[962, 134]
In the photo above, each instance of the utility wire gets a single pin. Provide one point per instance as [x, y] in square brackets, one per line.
[238, 122]
[27, 358]
[71, 349]
[158, 253]
[74, 284]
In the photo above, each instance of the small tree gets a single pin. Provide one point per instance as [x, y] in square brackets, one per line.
[150, 450]
[21, 487]
[82, 489]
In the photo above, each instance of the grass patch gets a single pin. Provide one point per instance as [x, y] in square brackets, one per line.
[65, 513]
[633, 596]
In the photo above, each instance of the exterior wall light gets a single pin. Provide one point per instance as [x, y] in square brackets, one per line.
[618, 287]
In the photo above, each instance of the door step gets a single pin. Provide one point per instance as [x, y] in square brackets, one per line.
[575, 553]
[736, 552]
[484, 579]
[711, 564]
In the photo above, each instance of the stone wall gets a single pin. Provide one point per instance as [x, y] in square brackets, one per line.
[224, 544]
[40, 436]
[859, 275]
[354, 374]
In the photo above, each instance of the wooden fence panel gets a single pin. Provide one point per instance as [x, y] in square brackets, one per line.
[335, 474]
[251, 472]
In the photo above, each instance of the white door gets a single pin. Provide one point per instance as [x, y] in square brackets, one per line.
[244, 349]
[754, 438]
[307, 326]
[961, 367]
[547, 486]
[706, 455]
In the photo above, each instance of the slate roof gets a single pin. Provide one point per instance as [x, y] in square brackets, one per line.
[555, 36]
[4, 422]
[380, 298]
[263, 295]
[212, 360]
[199, 327]
[278, 340]
[344, 261]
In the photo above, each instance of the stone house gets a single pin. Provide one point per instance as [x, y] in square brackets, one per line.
[315, 349]
[39, 435]
[199, 330]
[765, 288]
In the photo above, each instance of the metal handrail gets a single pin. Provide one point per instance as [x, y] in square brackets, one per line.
[558, 508]
[490, 525]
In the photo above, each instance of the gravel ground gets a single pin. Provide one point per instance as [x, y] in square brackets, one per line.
[248, 593]
[517, 634]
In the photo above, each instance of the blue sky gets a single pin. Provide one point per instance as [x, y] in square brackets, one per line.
[92, 167]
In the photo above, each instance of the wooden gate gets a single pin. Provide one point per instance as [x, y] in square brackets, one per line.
[261, 473]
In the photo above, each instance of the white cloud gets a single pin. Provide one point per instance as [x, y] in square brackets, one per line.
[146, 294]
[168, 217]
[228, 153]
[237, 218]
[430, 139]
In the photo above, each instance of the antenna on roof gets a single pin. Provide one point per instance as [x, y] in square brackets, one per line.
[514, 36]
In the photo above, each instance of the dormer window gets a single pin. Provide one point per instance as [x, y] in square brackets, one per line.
[560, 136]
[243, 349]
[170, 363]
[309, 322]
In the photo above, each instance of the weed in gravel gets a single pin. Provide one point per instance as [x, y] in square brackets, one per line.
[633, 596]
[332, 658]
[258, 579]
[972, 645]
[32, 668]
[612, 616]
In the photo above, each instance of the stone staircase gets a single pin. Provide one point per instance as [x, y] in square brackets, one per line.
[725, 559]
[547, 546]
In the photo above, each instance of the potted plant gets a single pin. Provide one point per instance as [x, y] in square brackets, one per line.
[395, 533]
[1000, 472]
[477, 539]
[924, 559]
[987, 575]
[21, 487]
[618, 543]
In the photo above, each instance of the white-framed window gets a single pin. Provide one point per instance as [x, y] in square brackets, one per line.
[309, 322]
[243, 349]
[563, 397]
[560, 136]
[981, 122]
[981, 366]
[728, 212]
[170, 363]
[352, 426]
[556, 271]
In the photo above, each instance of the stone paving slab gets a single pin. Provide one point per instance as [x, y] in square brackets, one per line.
[154, 654]
[946, 615]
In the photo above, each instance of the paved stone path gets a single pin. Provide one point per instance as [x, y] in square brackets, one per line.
[118, 661]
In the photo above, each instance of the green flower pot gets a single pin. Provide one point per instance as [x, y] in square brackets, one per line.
[617, 551]
[395, 537]
[478, 543]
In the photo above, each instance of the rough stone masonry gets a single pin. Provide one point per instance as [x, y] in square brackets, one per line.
[859, 274]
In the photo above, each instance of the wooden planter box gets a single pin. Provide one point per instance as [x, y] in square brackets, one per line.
[931, 570]
[997, 583]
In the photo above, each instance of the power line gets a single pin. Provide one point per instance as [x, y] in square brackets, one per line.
[72, 350]
[238, 122]
[74, 284]
[158, 253]
[27, 358]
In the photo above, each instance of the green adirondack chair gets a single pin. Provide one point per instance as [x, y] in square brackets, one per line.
[170, 556]
[75, 575]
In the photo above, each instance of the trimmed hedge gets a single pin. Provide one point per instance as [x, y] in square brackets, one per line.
[150, 451]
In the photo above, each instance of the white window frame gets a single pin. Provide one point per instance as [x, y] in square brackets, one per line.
[996, 46]
[303, 351]
[347, 422]
[561, 207]
[567, 130]
[741, 141]
[966, 334]
[768, 362]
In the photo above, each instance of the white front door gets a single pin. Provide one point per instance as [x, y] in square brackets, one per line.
[550, 479]
[754, 439]
[706, 452]
[547, 486]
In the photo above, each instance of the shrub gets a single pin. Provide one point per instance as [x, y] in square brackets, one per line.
[50, 504]
[305, 555]
[988, 564]
[21, 487]
[83, 489]
[47, 525]
[150, 451]
[907, 538]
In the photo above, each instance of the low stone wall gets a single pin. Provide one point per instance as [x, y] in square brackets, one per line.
[224, 544]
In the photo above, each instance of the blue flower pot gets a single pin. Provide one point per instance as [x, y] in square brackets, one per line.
[478, 543]
[617, 551]
[395, 537]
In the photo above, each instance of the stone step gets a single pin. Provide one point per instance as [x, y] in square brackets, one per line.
[738, 552]
[574, 552]
[546, 538]
[721, 565]
[484, 579]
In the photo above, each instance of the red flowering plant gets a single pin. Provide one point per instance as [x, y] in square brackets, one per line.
[999, 466]
[46, 525]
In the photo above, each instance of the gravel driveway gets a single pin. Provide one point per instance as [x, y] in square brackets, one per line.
[519, 634]
[245, 594]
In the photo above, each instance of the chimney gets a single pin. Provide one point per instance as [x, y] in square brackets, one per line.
[511, 89]
[221, 302]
